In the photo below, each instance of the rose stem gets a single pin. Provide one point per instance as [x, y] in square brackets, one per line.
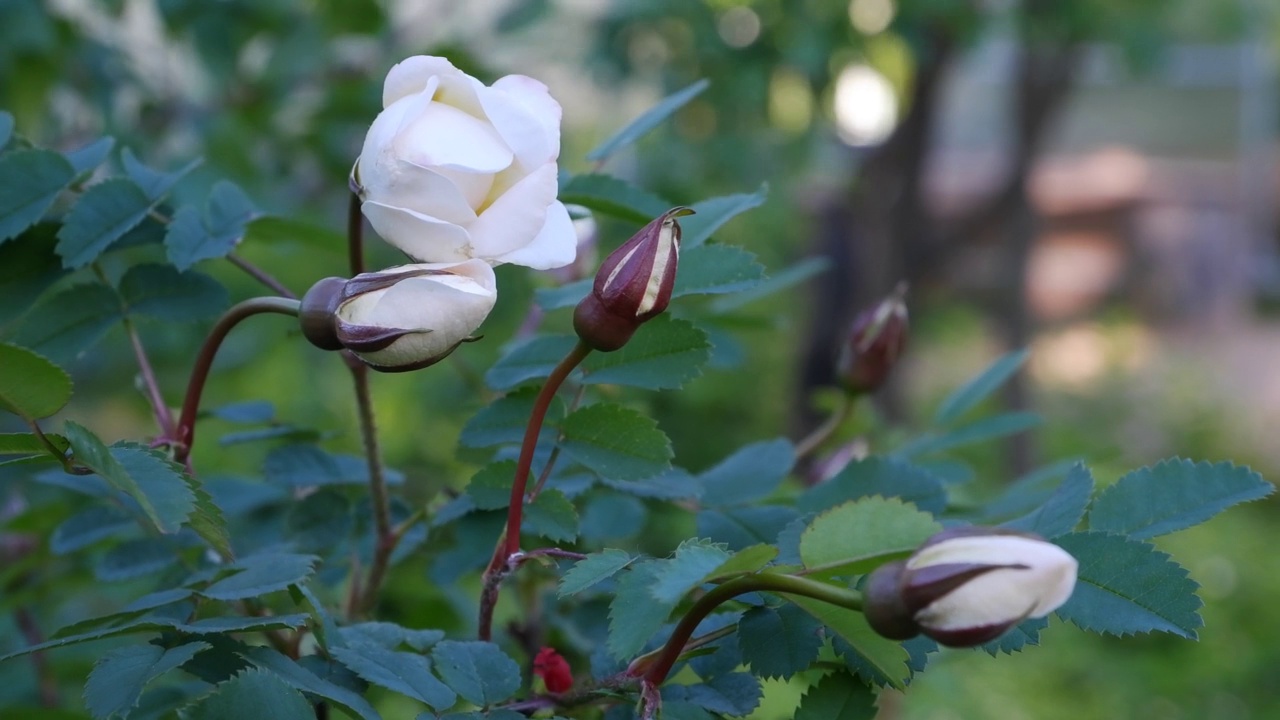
[386, 538]
[654, 666]
[509, 543]
[164, 418]
[261, 276]
[824, 431]
[185, 435]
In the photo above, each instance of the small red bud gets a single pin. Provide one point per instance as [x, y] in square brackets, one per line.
[632, 285]
[873, 344]
[553, 669]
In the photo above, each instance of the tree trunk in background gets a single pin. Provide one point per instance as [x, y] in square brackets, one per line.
[885, 232]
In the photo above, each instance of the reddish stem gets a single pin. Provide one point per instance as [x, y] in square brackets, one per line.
[539, 413]
[185, 435]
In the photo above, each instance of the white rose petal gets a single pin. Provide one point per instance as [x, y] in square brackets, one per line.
[452, 169]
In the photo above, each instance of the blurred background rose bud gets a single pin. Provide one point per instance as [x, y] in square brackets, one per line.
[967, 586]
[872, 346]
[632, 285]
[402, 318]
[452, 169]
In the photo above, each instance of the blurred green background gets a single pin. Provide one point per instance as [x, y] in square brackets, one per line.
[1095, 180]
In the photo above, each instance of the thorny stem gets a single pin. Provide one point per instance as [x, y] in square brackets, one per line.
[654, 667]
[385, 539]
[164, 418]
[48, 684]
[506, 553]
[261, 276]
[184, 436]
[824, 431]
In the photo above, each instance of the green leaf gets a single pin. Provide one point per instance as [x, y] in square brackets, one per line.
[713, 213]
[88, 527]
[30, 181]
[29, 443]
[478, 671]
[28, 266]
[1019, 636]
[885, 476]
[858, 536]
[101, 216]
[551, 515]
[390, 635]
[877, 659]
[616, 442]
[144, 475]
[533, 358]
[260, 574]
[777, 282]
[504, 420]
[319, 521]
[299, 465]
[671, 485]
[6, 128]
[650, 119]
[634, 616]
[716, 269]
[694, 559]
[153, 183]
[1063, 510]
[967, 396]
[732, 694]
[253, 694]
[136, 558]
[119, 677]
[1126, 586]
[1173, 495]
[161, 292]
[31, 386]
[747, 560]
[592, 570]
[664, 354]
[303, 679]
[742, 527]
[490, 487]
[612, 196]
[214, 625]
[838, 697]
[192, 237]
[207, 519]
[778, 642]
[567, 295]
[978, 431]
[404, 672]
[748, 475]
[90, 156]
[71, 321]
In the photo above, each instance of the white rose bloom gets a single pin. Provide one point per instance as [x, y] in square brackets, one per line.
[411, 316]
[453, 170]
[1033, 579]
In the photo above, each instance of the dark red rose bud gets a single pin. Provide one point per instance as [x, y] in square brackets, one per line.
[553, 669]
[632, 285]
[874, 342]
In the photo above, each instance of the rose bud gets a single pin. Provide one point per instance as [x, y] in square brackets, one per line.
[402, 318]
[872, 346]
[967, 586]
[553, 669]
[452, 169]
[632, 285]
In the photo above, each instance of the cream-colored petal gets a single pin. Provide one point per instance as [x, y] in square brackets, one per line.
[527, 117]
[556, 245]
[411, 75]
[516, 217]
[419, 236]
